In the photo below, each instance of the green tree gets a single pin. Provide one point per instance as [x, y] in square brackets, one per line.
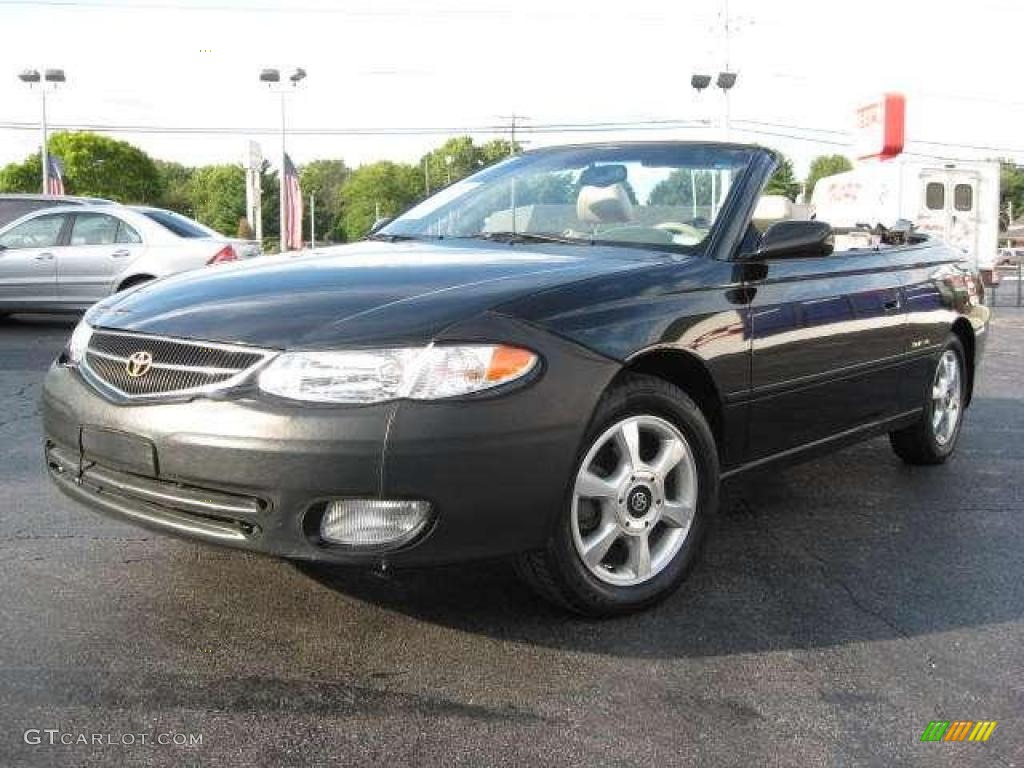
[497, 150]
[453, 160]
[825, 165]
[98, 166]
[25, 176]
[176, 180]
[270, 206]
[94, 166]
[325, 179]
[1011, 192]
[783, 181]
[549, 188]
[384, 189]
[217, 193]
[459, 157]
[678, 188]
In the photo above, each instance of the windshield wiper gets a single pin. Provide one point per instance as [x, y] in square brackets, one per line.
[392, 238]
[531, 237]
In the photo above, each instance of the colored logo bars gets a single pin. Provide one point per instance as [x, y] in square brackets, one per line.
[958, 730]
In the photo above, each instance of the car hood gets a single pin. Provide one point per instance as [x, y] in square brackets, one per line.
[371, 292]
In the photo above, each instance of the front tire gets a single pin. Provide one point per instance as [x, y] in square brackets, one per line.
[637, 506]
[932, 439]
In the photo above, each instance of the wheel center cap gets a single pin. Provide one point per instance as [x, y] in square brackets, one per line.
[639, 501]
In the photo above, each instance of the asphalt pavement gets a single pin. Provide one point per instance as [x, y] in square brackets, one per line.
[841, 605]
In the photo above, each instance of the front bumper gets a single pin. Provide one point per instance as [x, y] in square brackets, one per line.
[254, 473]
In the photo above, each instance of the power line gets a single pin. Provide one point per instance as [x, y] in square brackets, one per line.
[284, 7]
[829, 137]
[496, 128]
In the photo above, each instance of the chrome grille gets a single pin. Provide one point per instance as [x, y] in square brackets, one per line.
[178, 366]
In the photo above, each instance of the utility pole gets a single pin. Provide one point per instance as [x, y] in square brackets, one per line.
[513, 120]
[312, 219]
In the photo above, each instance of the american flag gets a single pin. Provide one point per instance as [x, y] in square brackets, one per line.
[292, 225]
[54, 176]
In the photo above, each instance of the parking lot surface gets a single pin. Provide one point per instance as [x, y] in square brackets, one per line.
[841, 605]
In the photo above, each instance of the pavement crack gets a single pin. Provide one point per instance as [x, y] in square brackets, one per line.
[857, 602]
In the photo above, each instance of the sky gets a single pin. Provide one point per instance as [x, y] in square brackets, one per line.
[402, 66]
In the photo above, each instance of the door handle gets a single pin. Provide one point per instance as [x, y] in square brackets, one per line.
[891, 304]
[120, 254]
[44, 257]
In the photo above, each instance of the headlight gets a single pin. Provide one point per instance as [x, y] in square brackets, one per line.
[79, 342]
[372, 376]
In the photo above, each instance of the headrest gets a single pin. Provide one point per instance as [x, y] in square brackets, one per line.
[597, 205]
[770, 209]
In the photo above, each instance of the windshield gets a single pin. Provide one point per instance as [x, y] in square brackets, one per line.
[660, 195]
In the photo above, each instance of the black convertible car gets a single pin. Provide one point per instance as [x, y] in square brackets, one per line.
[557, 359]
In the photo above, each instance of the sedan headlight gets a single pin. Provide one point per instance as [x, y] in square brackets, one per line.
[78, 343]
[373, 376]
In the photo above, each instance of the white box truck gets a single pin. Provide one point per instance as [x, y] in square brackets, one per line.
[955, 201]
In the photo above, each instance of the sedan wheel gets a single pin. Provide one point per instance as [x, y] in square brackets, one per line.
[644, 487]
[932, 438]
[634, 500]
[947, 395]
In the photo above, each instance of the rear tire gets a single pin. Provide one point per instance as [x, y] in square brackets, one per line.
[637, 506]
[932, 439]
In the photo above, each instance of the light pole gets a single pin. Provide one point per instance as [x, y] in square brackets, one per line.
[32, 77]
[725, 81]
[272, 77]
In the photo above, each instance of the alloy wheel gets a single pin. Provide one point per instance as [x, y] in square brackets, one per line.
[634, 500]
[947, 393]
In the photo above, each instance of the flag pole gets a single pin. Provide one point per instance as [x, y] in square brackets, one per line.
[283, 229]
[45, 151]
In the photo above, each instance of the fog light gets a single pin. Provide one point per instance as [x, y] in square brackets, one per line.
[373, 522]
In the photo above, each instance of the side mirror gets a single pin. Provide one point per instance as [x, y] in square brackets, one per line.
[796, 240]
[380, 223]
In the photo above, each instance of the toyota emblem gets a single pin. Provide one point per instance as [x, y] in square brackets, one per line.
[139, 364]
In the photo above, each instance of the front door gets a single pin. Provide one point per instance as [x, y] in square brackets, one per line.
[99, 248]
[828, 336]
[28, 260]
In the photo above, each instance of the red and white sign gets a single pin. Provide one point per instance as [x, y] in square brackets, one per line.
[880, 128]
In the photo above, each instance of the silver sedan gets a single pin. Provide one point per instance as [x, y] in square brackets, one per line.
[69, 257]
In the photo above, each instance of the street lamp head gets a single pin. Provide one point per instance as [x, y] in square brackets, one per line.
[726, 80]
[297, 75]
[29, 76]
[54, 76]
[700, 82]
[270, 76]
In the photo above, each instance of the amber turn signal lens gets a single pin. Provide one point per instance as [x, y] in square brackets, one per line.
[509, 363]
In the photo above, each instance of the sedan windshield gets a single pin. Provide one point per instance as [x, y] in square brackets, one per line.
[656, 195]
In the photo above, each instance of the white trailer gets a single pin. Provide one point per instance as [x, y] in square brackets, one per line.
[955, 201]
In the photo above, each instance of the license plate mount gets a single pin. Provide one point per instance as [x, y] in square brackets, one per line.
[120, 450]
